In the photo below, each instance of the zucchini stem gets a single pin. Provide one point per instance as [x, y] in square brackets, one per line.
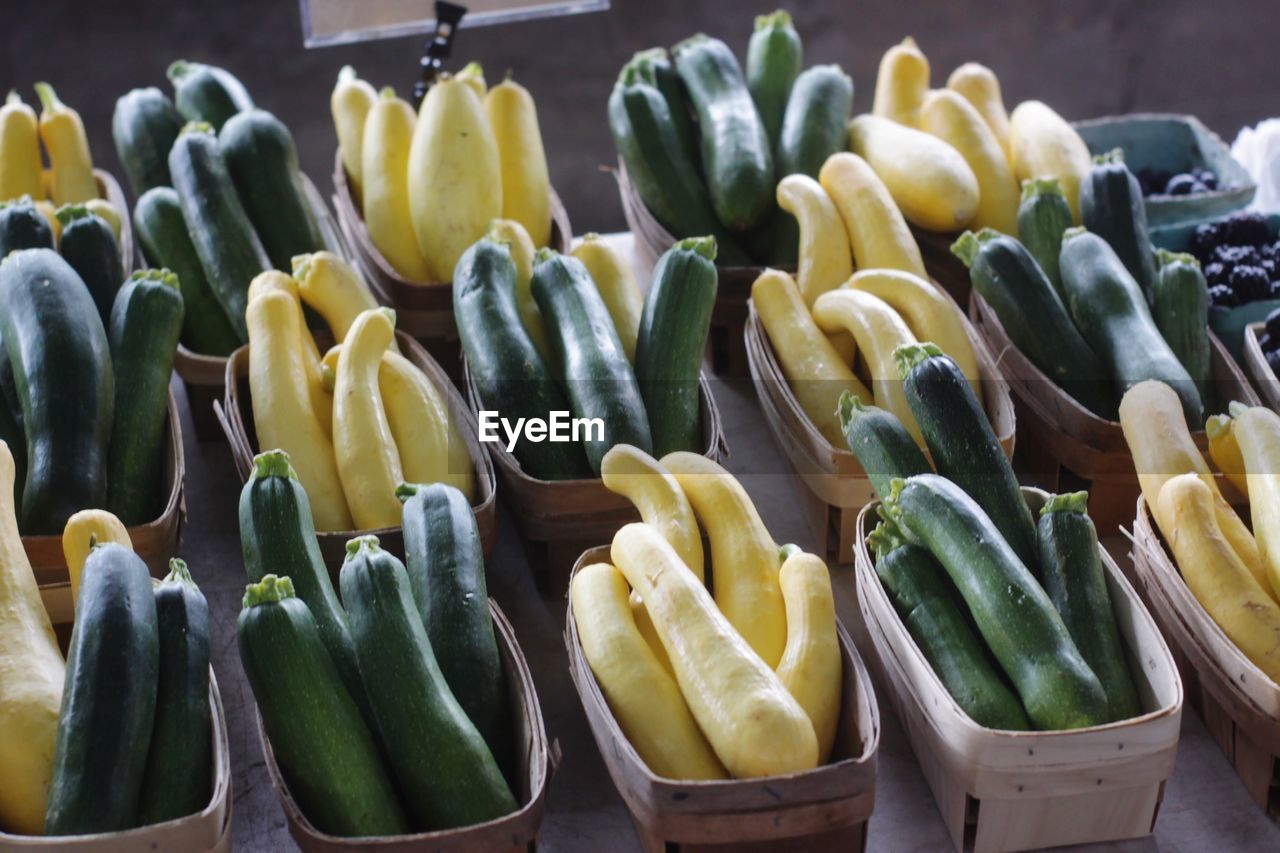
[1067, 502]
[272, 589]
[848, 409]
[273, 463]
[780, 19]
[404, 491]
[368, 542]
[1164, 257]
[179, 573]
[705, 246]
[1047, 185]
[908, 356]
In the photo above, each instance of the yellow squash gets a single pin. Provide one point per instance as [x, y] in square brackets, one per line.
[816, 373]
[754, 725]
[473, 75]
[644, 624]
[31, 676]
[107, 212]
[455, 175]
[321, 398]
[50, 214]
[82, 531]
[388, 133]
[1257, 431]
[1224, 586]
[1043, 144]
[948, 116]
[349, 104]
[643, 695]
[431, 450]
[810, 668]
[333, 289]
[513, 235]
[20, 164]
[826, 261]
[629, 471]
[613, 277]
[931, 183]
[979, 86]
[71, 179]
[282, 412]
[744, 557]
[901, 83]
[526, 181]
[878, 235]
[1224, 450]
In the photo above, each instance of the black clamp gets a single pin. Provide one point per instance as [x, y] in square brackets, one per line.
[438, 47]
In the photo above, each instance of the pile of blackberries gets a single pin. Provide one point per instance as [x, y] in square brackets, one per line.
[1240, 257]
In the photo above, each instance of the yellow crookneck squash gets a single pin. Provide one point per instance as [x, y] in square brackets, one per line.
[811, 668]
[629, 471]
[321, 400]
[878, 233]
[20, 163]
[83, 530]
[328, 285]
[388, 133]
[71, 178]
[1257, 432]
[517, 240]
[349, 104]
[526, 181]
[613, 277]
[429, 446]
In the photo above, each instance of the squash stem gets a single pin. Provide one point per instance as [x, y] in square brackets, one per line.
[179, 573]
[780, 19]
[788, 551]
[1164, 257]
[404, 491]
[705, 246]
[1067, 502]
[908, 356]
[1217, 426]
[848, 409]
[49, 101]
[1047, 185]
[368, 542]
[273, 463]
[272, 589]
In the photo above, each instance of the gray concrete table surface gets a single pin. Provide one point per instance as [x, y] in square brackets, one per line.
[1205, 806]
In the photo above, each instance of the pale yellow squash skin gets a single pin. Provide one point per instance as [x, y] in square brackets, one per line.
[744, 557]
[816, 372]
[629, 471]
[31, 675]
[282, 412]
[754, 725]
[1224, 450]
[473, 75]
[810, 668]
[334, 290]
[979, 86]
[877, 232]
[431, 450]
[50, 214]
[825, 259]
[928, 179]
[948, 116]
[388, 133]
[20, 164]
[1257, 432]
[81, 532]
[71, 179]
[368, 461]
[1223, 585]
[512, 234]
[644, 624]
[455, 175]
[878, 331]
[349, 104]
[1042, 143]
[617, 285]
[643, 695]
[526, 181]
[901, 83]
[321, 399]
[106, 211]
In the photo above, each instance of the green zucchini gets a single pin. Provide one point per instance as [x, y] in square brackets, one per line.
[230, 251]
[816, 122]
[62, 372]
[736, 155]
[1109, 309]
[670, 342]
[206, 93]
[323, 747]
[1180, 308]
[653, 66]
[964, 447]
[444, 771]
[1077, 585]
[179, 777]
[108, 698]
[263, 163]
[144, 126]
[23, 227]
[1012, 612]
[884, 448]
[509, 373]
[445, 562]
[89, 245]
[1043, 216]
[597, 377]
[143, 336]
[925, 599]
[774, 58]
[1112, 206]
[162, 233]
[1007, 276]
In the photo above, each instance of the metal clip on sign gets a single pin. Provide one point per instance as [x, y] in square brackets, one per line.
[438, 47]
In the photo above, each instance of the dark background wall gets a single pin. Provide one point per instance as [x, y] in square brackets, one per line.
[1084, 57]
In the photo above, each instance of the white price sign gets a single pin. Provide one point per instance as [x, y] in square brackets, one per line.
[330, 22]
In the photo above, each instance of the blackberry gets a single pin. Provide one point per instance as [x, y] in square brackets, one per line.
[1207, 177]
[1222, 296]
[1273, 324]
[1248, 229]
[1182, 185]
[1250, 283]
[1234, 255]
[1215, 273]
[1204, 239]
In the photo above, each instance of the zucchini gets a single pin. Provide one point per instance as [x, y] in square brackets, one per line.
[162, 233]
[62, 372]
[1010, 609]
[22, 226]
[774, 58]
[1112, 206]
[263, 162]
[964, 447]
[206, 93]
[1109, 309]
[179, 777]
[816, 122]
[1043, 216]
[444, 771]
[598, 379]
[143, 337]
[144, 126]
[90, 246]
[324, 749]
[108, 699]
[1180, 308]
[884, 448]
[653, 66]
[1007, 276]
[229, 249]
[445, 562]
[509, 373]
[1076, 584]
[927, 602]
[736, 154]
[671, 340]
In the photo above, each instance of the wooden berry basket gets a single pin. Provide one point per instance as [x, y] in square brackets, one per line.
[944, 267]
[235, 414]
[1063, 439]
[423, 309]
[207, 830]
[837, 486]
[1255, 363]
[1007, 790]
[515, 833]
[1239, 704]
[559, 518]
[817, 810]
[155, 542]
[109, 190]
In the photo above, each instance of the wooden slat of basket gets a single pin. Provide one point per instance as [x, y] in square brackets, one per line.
[1255, 362]
[109, 190]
